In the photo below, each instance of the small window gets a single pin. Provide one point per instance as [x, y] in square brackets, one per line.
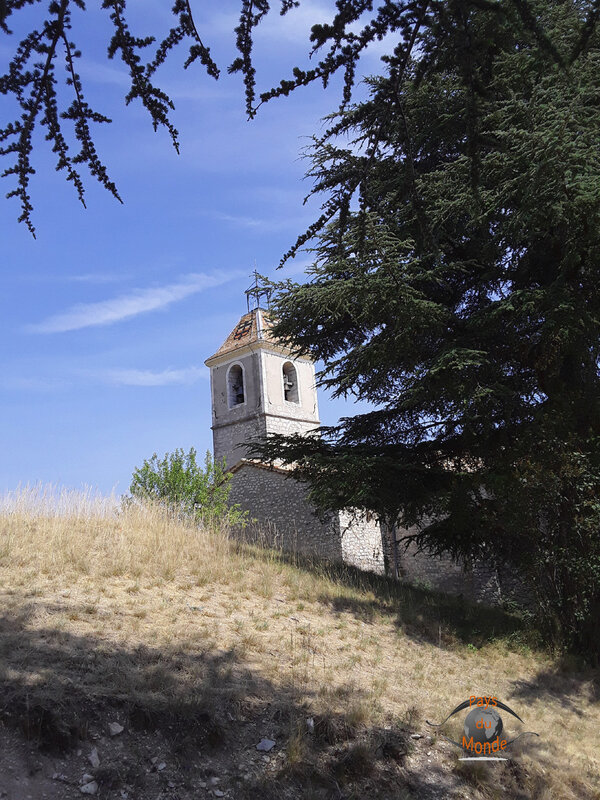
[235, 386]
[290, 383]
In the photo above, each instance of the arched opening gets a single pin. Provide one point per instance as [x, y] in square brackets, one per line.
[235, 386]
[290, 383]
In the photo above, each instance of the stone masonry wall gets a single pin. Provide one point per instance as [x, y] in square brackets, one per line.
[284, 513]
[228, 439]
[476, 581]
[288, 426]
[284, 518]
[362, 544]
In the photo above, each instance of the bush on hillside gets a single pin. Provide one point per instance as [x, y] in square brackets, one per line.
[178, 482]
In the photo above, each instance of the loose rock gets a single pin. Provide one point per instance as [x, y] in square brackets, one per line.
[94, 758]
[115, 729]
[89, 788]
[266, 745]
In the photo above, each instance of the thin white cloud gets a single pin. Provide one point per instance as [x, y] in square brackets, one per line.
[295, 267]
[21, 384]
[220, 23]
[204, 92]
[83, 277]
[239, 219]
[251, 222]
[296, 24]
[98, 72]
[143, 377]
[295, 222]
[95, 277]
[126, 306]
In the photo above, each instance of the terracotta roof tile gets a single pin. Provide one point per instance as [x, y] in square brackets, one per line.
[247, 331]
[283, 469]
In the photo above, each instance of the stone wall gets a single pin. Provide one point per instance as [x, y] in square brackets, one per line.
[515, 589]
[285, 519]
[474, 580]
[287, 427]
[362, 544]
[229, 439]
[285, 516]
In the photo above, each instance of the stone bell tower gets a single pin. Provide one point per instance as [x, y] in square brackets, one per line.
[257, 386]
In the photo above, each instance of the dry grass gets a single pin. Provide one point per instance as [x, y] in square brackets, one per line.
[133, 606]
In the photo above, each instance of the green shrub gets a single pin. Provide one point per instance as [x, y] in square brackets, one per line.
[182, 485]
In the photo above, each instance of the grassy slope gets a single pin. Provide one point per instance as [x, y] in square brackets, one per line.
[138, 618]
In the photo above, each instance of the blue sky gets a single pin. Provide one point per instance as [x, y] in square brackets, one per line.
[109, 314]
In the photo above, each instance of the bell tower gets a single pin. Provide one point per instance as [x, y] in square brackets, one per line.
[257, 385]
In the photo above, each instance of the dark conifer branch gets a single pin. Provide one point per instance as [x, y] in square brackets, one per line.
[42, 81]
[156, 102]
[249, 19]
[186, 28]
[407, 23]
[587, 30]
[80, 112]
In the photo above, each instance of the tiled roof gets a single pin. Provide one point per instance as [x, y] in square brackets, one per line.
[283, 469]
[253, 327]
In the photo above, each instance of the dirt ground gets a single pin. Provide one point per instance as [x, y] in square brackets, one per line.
[198, 648]
[154, 764]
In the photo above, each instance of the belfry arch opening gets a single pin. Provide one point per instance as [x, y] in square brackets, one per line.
[290, 383]
[235, 386]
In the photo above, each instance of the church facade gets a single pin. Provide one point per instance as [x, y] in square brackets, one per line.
[259, 387]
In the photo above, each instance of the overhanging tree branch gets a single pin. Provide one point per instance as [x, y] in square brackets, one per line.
[407, 25]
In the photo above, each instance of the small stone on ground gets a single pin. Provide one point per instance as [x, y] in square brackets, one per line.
[114, 728]
[266, 745]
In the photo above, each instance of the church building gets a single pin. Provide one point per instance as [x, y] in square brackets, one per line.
[259, 387]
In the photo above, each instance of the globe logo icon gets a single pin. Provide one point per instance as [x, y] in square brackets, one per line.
[483, 725]
[483, 729]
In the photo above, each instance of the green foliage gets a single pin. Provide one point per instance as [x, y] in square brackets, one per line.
[553, 494]
[32, 80]
[457, 290]
[180, 483]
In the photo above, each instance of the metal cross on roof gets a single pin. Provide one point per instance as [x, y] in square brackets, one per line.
[256, 291]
